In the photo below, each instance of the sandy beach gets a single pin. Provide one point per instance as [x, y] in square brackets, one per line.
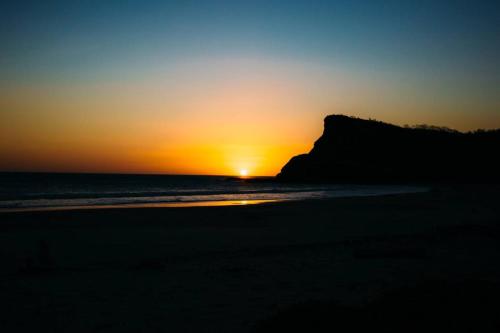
[229, 269]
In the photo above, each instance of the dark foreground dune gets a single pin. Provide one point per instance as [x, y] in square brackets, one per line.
[407, 263]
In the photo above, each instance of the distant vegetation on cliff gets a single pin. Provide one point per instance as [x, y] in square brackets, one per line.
[359, 150]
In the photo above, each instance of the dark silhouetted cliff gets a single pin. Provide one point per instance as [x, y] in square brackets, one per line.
[358, 150]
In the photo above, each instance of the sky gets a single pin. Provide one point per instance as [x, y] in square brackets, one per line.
[214, 87]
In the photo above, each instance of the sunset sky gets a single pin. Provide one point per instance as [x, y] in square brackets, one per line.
[215, 87]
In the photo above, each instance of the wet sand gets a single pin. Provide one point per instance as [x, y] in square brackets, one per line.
[227, 269]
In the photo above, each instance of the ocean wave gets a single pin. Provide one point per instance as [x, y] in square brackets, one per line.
[304, 194]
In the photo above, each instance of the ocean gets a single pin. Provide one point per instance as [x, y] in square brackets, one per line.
[56, 191]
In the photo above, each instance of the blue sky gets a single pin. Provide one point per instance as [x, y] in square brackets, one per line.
[58, 38]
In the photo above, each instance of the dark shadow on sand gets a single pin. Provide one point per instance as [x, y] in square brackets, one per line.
[437, 306]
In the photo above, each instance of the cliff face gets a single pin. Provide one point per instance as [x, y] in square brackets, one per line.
[357, 150]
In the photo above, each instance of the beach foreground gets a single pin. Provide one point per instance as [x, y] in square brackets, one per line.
[244, 268]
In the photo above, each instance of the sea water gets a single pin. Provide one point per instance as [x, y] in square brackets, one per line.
[43, 191]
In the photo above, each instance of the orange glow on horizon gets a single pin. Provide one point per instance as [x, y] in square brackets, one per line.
[211, 117]
[206, 122]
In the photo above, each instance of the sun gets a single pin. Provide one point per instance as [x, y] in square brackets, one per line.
[243, 172]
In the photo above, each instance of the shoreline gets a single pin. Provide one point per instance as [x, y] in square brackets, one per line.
[143, 205]
[294, 196]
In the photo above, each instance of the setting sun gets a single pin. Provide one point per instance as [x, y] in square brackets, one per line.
[243, 172]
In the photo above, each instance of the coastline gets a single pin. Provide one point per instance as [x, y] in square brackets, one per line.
[206, 200]
[228, 268]
[143, 205]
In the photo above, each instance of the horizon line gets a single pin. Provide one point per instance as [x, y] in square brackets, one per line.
[134, 174]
